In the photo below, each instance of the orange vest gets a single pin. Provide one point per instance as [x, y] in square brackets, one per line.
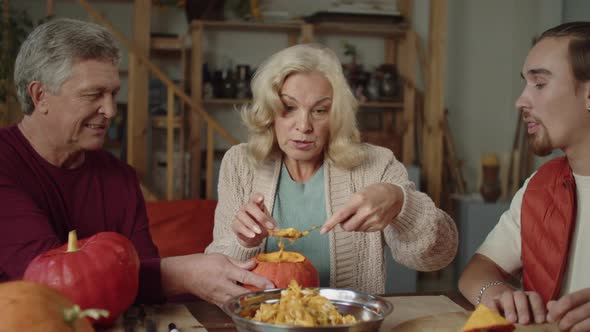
[548, 218]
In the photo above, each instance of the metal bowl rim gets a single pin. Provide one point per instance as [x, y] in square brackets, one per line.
[387, 310]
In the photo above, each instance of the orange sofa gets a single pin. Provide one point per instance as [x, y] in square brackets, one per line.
[181, 227]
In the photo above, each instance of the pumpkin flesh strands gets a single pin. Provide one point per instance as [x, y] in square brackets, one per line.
[291, 234]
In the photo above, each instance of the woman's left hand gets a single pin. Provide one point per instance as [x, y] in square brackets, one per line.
[368, 210]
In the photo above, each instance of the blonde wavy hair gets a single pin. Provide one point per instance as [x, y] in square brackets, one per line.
[344, 149]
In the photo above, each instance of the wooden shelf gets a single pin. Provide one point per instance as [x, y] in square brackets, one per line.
[168, 44]
[369, 104]
[398, 46]
[226, 101]
[249, 26]
[324, 27]
[382, 104]
[362, 29]
[159, 121]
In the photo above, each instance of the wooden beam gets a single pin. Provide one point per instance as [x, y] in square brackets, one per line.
[5, 27]
[306, 33]
[195, 121]
[292, 38]
[406, 8]
[137, 114]
[50, 8]
[170, 146]
[210, 155]
[183, 139]
[408, 67]
[390, 50]
[453, 162]
[434, 99]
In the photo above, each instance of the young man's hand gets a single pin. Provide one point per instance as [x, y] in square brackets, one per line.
[572, 311]
[517, 306]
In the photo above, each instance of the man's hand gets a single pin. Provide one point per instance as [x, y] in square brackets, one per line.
[572, 311]
[368, 210]
[517, 306]
[252, 223]
[212, 277]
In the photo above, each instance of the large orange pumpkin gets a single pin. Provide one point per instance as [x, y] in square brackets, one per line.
[101, 271]
[28, 306]
[282, 267]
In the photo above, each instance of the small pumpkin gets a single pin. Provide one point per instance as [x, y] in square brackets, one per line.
[281, 267]
[28, 306]
[101, 271]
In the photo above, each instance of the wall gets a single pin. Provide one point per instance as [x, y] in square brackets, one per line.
[576, 10]
[487, 43]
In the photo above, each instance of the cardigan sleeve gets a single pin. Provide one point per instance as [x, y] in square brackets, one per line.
[234, 189]
[421, 236]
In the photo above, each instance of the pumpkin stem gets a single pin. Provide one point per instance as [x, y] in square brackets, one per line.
[74, 313]
[72, 241]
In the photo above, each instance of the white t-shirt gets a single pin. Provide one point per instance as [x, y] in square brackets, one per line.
[503, 244]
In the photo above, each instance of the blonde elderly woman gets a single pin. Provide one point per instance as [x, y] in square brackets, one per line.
[304, 165]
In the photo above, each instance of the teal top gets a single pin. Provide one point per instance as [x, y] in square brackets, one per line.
[303, 205]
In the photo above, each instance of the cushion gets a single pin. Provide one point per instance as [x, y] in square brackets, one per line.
[181, 227]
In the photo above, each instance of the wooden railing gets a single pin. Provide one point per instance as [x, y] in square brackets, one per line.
[173, 91]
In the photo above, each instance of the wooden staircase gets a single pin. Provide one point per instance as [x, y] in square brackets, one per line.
[431, 131]
[140, 67]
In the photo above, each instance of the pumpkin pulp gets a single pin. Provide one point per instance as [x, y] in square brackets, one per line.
[291, 234]
[282, 266]
[281, 257]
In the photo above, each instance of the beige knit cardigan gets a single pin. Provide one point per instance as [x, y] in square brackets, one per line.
[421, 237]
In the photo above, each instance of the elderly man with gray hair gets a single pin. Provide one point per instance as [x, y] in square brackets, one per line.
[55, 177]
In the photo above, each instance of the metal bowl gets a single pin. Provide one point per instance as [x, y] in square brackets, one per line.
[369, 310]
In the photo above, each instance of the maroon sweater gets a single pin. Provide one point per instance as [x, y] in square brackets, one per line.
[40, 203]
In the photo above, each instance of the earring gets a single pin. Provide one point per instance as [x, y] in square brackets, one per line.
[588, 109]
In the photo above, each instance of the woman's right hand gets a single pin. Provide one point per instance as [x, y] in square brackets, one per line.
[252, 223]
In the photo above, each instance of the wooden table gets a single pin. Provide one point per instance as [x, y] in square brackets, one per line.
[212, 318]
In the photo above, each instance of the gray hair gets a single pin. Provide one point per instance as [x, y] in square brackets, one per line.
[53, 48]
